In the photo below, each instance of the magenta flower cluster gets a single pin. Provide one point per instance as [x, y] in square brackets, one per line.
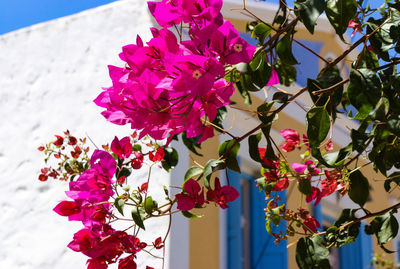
[98, 240]
[170, 86]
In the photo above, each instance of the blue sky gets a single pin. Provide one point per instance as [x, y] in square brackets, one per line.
[16, 14]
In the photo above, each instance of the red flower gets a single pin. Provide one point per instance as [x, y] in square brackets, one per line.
[127, 263]
[191, 197]
[143, 187]
[159, 156]
[59, 141]
[158, 243]
[311, 223]
[222, 195]
[122, 148]
[41, 148]
[67, 208]
[83, 240]
[77, 151]
[329, 146]
[121, 180]
[72, 140]
[330, 185]
[315, 195]
[138, 162]
[96, 264]
[292, 139]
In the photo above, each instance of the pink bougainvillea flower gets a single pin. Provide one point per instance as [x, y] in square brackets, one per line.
[292, 139]
[193, 195]
[122, 148]
[67, 208]
[274, 78]
[231, 48]
[307, 168]
[222, 195]
[355, 26]
[166, 12]
[170, 12]
[103, 162]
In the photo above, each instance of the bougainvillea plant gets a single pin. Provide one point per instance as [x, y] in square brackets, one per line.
[178, 85]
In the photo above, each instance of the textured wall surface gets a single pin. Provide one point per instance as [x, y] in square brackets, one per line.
[50, 73]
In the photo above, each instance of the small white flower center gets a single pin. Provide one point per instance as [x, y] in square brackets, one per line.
[197, 74]
[238, 47]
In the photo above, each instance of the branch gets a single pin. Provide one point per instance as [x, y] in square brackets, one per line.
[367, 216]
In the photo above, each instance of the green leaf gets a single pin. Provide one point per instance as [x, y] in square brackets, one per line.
[262, 112]
[339, 13]
[193, 172]
[364, 91]
[359, 188]
[311, 253]
[318, 125]
[276, 219]
[138, 215]
[119, 205]
[332, 99]
[211, 167]
[170, 159]
[268, 226]
[384, 227]
[309, 11]
[393, 124]
[262, 31]
[244, 93]
[304, 186]
[287, 73]
[253, 147]
[221, 115]
[340, 237]
[257, 76]
[280, 97]
[358, 139]
[389, 229]
[231, 157]
[284, 50]
[150, 205]
[191, 143]
[368, 60]
[189, 215]
[137, 147]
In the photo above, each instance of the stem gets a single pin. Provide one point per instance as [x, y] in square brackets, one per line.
[367, 216]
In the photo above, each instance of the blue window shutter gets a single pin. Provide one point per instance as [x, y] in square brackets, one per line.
[357, 254]
[235, 241]
[265, 253]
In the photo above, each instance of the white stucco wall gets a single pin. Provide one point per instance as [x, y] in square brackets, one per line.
[50, 73]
